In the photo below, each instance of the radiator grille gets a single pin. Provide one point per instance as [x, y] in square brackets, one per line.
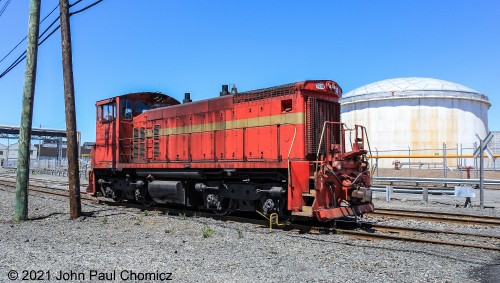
[319, 111]
[156, 141]
[264, 93]
[136, 143]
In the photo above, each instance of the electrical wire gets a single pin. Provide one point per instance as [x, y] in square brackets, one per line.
[87, 7]
[75, 3]
[4, 7]
[22, 40]
[23, 55]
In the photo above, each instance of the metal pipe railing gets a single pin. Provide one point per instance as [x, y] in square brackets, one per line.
[435, 180]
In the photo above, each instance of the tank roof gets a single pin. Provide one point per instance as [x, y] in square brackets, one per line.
[412, 87]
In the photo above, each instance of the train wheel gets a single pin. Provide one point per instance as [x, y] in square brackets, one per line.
[225, 207]
[142, 196]
[118, 197]
[148, 202]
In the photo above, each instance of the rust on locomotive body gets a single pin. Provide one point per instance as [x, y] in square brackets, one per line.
[280, 149]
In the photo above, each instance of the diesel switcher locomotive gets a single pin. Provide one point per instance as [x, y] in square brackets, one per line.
[274, 150]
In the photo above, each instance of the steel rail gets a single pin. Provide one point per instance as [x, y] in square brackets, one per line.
[367, 235]
[47, 181]
[391, 228]
[440, 213]
[436, 216]
[49, 190]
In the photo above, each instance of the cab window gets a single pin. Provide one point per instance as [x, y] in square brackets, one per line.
[107, 112]
[126, 111]
[141, 107]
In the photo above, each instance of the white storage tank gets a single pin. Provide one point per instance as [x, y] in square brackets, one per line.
[416, 116]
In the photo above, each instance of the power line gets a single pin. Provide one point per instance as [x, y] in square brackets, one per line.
[75, 3]
[87, 7]
[22, 40]
[4, 7]
[23, 55]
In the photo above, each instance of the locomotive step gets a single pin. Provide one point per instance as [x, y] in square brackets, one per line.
[307, 208]
[306, 212]
[311, 193]
[302, 214]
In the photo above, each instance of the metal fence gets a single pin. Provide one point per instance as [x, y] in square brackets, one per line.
[51, 166]
[447, 158]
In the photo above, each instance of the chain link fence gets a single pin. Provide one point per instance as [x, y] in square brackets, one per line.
[51, 166]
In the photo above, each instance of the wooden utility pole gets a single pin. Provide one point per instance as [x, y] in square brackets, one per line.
[75, 205]
[23, 161]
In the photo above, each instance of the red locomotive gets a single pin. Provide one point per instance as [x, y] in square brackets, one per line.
[275, 150]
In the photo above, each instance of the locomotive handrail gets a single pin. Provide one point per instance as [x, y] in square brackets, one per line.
[290, 152]
[322, 135]
[321, 140]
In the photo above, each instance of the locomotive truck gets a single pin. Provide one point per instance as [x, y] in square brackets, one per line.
[274, 150]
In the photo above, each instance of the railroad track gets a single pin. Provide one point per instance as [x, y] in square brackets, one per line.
[11, 177]
[48, 190]
[400, 229]
[381, 236]
[370, 231]
[436, 217]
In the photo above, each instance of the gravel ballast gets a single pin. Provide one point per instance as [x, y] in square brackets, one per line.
[125, 241]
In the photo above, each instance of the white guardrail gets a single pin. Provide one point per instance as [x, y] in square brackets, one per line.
[435, 180]
[463, 187]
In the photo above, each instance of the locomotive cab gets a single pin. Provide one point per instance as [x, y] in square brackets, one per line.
[114, 125]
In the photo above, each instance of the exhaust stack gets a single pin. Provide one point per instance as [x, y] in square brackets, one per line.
[225, 90]
[187, 98]
[234, 90]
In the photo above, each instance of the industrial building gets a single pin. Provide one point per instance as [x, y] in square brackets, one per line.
[419, 121]
[10, 153]
[47, 146]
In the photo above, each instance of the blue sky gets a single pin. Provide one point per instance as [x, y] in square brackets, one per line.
[122, 46]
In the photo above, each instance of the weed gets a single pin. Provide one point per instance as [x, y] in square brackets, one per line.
[145, 213]
[183, 216]
[170, 230]
[105, 220]
[207, 231]
[137, 218]
[240, 233]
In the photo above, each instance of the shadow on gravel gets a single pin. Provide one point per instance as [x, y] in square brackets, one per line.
[436, 254]
[46, 216]
[487, 273]
[86, 214]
